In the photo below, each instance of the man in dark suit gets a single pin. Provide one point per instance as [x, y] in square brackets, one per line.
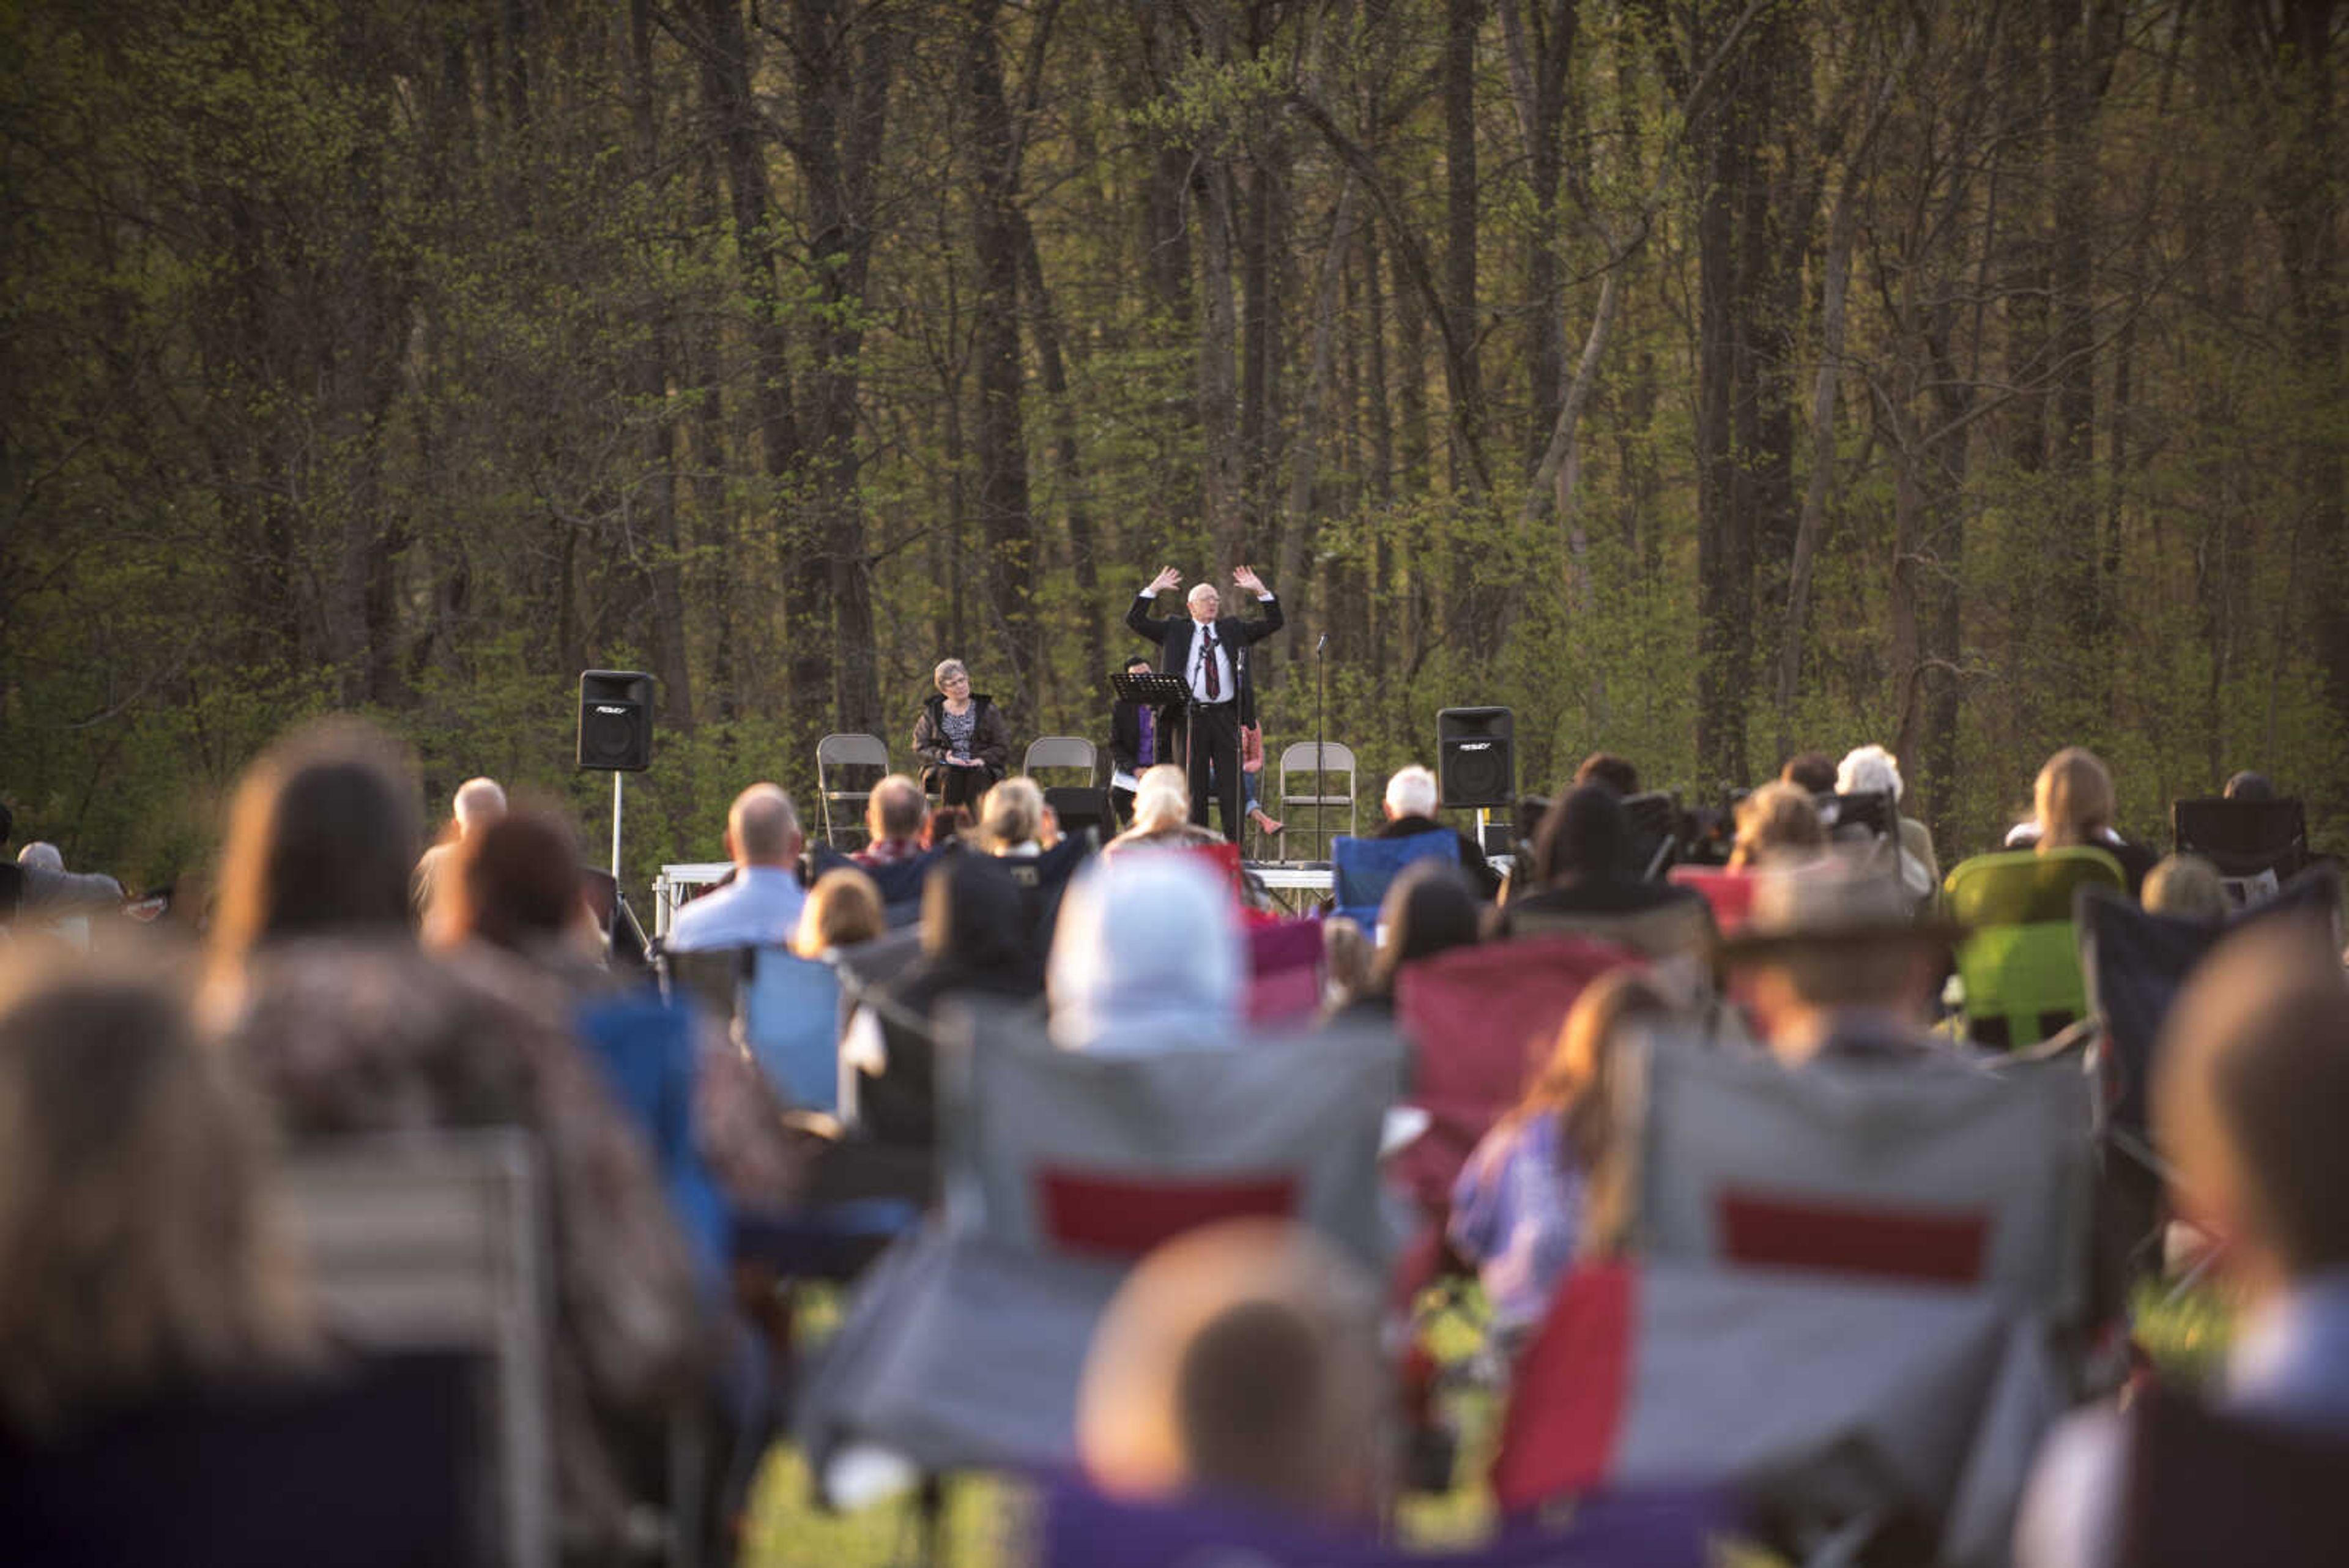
[1209, 652]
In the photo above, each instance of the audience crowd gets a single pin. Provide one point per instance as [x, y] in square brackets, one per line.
[352, 984]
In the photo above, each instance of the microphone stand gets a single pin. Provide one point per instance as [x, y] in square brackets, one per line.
[1320, 756]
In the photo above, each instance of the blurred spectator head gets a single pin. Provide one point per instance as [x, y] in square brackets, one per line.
[2073, 800]
[946, 826]
[895, 809]
[1585, 835]
[1147, 952]
[1582, 1083]
[974, 914]
[2184, 885]
[479, 803]
[1777, 822]
[843, 909]
[1868, 769]
[1345, 958]
[1430, 909]
[140, 1247]
[1837, 935]
[2251, 1095]
[2249, 785]
[1240, 1360]
[43, 855]
[763, 828]
[1411, 791]
[1012, 814]
[1606, 768]
[1813, 771]
[1162, 802]
[321, 840]
[516, 884]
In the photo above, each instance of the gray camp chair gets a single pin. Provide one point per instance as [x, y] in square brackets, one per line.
[834, 752]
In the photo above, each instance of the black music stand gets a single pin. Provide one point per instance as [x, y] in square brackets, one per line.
[1167, 693]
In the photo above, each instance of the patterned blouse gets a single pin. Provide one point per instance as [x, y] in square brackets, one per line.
[958, 727]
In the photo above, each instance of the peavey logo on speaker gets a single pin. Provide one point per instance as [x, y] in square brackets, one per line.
[614, 712]
[1471, 745]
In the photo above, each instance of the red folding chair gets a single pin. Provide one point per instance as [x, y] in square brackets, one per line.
[1285, 969]
[1731, 893]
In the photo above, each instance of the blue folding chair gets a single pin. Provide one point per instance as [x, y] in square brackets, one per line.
[1367, 867]
[791, 1024]
[645, 1045]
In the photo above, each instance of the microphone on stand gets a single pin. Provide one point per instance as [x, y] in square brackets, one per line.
[1322, 644]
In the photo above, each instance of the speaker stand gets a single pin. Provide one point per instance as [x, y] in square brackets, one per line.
[619, 785]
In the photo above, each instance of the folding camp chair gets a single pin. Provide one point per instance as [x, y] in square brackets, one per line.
[1320, 760]
[1285, 965]
[2018, 963]
[711, 979]
[2205, 1486]
[791, 1025]
[1867, 816]
[2255, 843]
[1224, 858]
[1729, 893]
[965, 1344]
[1062, 752]
[440, 1243]
[1366, 867]
[1937, 1173]
[838, 752]
[1655, 820]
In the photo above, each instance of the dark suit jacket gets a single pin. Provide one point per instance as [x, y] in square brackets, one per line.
[1471, 854]
[1125, 735]
[1173, 637]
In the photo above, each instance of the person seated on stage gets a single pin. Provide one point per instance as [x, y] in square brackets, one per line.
[1813, 773]
[1583, 883]
[1148, 957]
[477, 803]
[1430, 909]
[2187, 885]
[2073, 805]
[1240, 1361]
[760, 907]
[1777, 825]
[1138, 740]
[142, 1252]
[961, 737]
[1606, 768]
[2249, 785]
[1839, 970]
[1413, 800]
[2252, 1091]
[1209, 652]
[1011, 819]
[1161, 814]
[1251, 779]
[1872, 770]
[893, 814]
[844, 910]
[1548, 1184]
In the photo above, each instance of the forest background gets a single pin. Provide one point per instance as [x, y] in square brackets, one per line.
[1705, 379]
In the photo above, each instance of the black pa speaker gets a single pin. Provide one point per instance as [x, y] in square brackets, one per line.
[1476, 755]
[616, 721]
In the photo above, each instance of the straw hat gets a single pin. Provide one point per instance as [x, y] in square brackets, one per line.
[1837, 900]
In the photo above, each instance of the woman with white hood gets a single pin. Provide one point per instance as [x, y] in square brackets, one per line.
[1873, 770]
[1148, 957]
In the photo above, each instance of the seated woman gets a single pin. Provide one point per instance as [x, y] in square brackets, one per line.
[964, 744]
[141, 1254]
[1583, 884]
[1430, 909]
[1777, 826]
[2072, 806]
[1240, 1361]
[843, 911]
[1872, 770]
[1161, 813]
[1547, 1184]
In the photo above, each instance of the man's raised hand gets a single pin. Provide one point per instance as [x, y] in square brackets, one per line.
[1168, 578]
[1246, 578]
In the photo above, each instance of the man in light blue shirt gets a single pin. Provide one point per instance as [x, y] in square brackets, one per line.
[760, 907]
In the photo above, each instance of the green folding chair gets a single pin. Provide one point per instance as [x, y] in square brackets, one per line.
[2019, 963]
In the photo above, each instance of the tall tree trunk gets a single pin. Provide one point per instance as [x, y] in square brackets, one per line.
[651, 390]
[1084, 542]
[1462, 19]
[1005, 526]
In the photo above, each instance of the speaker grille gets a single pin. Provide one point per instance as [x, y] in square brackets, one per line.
[616, 721]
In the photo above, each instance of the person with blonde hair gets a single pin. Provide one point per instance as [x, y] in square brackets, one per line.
[142, 1253]
[842, 909]
[1240, 1360]
[1547, 1184]
[1777, 824]
[2073, 805]
[1161, 813]
[961, 737]
[2186, 886]
[1012, 818]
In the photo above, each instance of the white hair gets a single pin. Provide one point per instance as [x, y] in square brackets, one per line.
[42, 853]
[948, 667]
[479, 802]
[1870, 770]
[1197, 589]
[1163, 800]
[1411, 791]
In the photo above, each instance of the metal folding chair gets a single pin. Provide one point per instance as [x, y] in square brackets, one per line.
[847, 751]
[1319, 760]
[1062, 752]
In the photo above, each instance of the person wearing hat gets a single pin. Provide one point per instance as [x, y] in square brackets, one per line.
[1837, 969]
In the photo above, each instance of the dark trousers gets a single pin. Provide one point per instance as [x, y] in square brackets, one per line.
[963, 787]
[1215, 730]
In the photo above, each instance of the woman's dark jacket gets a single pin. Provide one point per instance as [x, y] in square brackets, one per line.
[991, 740]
